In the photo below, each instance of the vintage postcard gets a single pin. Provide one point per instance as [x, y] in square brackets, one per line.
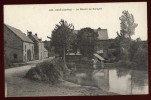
[82, 49]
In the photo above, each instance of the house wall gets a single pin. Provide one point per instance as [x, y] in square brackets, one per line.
[40, 53]
[36, 46]
[45, 54]
[13, 47]
[43, 51]
[28, 51]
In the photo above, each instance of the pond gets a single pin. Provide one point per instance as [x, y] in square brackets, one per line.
[118, 80]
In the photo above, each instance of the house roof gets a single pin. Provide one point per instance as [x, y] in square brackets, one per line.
[45, 49]
[98, 56]
[36, 38]
[19, 33]
[103, 34]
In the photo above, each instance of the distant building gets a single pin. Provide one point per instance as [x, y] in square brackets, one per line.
[49, 48]
[102, 34]
[18, 47]
[39, 49]
[45, 53]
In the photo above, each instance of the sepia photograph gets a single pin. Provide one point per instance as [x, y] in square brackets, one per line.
[76, 49]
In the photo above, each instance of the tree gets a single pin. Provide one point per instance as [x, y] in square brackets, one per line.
[74, 45]
[123, 38]
[61, 37]
[86, 40]
[140, 58]
[127, 25]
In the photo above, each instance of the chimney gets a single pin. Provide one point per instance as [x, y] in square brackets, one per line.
[39, 39]
[35, 34]
[29, 33]
[99, 28]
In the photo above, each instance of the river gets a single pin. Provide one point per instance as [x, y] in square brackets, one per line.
[118, 80]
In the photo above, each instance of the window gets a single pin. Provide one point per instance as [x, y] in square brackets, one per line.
[15, 56]
[25, 48]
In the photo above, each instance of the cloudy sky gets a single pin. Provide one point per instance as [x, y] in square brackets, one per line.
[41, 18]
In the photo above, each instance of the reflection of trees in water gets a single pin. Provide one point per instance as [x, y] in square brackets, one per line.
[122, 72]
[100, 78]
[139, 78]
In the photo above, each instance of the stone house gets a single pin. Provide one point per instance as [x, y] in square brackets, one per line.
[39, 49]
[18, 47]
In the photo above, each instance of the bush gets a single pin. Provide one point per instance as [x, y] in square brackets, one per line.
[125, 64]
[141, 58]
[50, 71]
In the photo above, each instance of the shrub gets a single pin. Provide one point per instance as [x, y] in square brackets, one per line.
[49, 71]
[140, 58]
[125, 64]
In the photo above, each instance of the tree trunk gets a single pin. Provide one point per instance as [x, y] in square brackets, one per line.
[64, 58]
[66, 70]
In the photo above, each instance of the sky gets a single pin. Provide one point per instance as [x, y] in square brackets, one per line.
[42, 18]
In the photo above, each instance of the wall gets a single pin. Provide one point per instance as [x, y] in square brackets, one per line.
[28, 47]
[13, 46]
[40, 53]
[45, 54]
[36, 46]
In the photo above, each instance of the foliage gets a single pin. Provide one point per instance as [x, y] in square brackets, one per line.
[128, 47]
[125, 64]
[132, 53]
[127, 25]
[123, 71]
[135, 57]
[133, 49]
[61, 37]
[86, 40]
[74, 45]
[50, 71]
[140, 58]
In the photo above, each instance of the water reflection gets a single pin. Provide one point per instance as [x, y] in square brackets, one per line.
[122, 81]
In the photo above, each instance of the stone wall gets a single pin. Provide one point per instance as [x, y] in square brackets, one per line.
[13, 47]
